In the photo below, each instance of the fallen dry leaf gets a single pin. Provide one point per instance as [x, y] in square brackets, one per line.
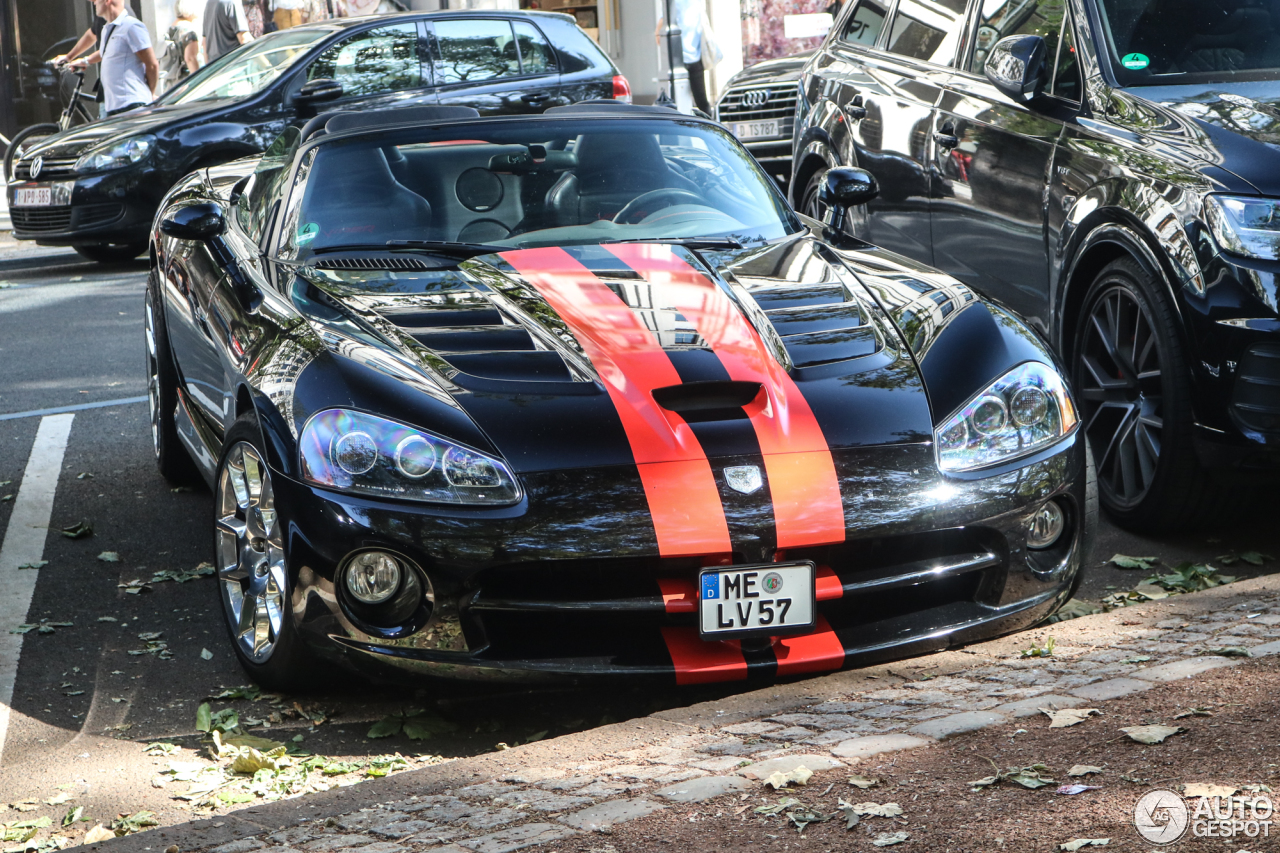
[1207, 789]
[1072, 790]
[1068, 716]
[1083, 770]
[877, 810]
[1151, 734]
[779, 780]
[98, 834]
[888, 839]
[1077, 843]
[863, 782]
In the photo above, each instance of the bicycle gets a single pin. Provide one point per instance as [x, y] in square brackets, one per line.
[75, 113]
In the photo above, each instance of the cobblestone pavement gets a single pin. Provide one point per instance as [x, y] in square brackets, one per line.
[545, 792]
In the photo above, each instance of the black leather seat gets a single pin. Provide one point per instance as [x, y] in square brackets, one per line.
[613, 168]
[357, 199]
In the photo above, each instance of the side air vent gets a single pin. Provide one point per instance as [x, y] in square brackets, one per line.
[374, 263]
[816, 323]
[799, 296]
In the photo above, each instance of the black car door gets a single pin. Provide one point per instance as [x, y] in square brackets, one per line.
[498, 66]
[991, 159]
[378, 68]
[886, 98]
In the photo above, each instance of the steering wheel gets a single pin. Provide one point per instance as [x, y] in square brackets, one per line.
[642, 203]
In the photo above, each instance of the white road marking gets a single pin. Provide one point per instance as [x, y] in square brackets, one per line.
[80, 407]
[23, 544]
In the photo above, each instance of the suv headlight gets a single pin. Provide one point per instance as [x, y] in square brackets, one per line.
[1022, 412]
[125, 152]
[1245, 225]
[368, 455]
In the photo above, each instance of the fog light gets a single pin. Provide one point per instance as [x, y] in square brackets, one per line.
[1044, 528]
[373, 577]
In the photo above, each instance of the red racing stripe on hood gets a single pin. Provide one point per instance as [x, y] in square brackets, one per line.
[683, 497]
[807, 507]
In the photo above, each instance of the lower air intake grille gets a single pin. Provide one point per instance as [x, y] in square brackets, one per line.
[40, 219]
[1255, 399]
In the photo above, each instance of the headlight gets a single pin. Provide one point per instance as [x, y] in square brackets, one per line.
[135, 149]
[1024, 411]
[368, 455]
[1244, 225]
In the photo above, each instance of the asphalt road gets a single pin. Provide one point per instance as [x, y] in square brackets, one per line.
[89, 696]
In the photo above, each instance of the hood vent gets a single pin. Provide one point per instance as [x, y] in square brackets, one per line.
[374, 263]
[818, 324]
[706, 396]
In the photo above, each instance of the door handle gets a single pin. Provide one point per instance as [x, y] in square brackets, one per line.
[534, 97]
[946, 138]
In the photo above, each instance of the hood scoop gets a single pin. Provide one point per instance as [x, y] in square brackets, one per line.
[385, 262]
[707, 398]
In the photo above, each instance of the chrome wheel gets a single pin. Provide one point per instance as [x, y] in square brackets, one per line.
[153, 379]
[251, 569]
[1118, 376]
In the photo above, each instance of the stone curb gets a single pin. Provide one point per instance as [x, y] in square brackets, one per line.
[757, 715]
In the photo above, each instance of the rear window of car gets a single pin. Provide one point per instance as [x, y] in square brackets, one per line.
[576, 51]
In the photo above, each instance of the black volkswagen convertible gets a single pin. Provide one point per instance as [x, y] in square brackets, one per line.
[578, 394]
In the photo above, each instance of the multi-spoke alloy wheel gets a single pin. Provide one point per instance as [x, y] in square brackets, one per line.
[1121, 387]
[251, 566]
[153, 378]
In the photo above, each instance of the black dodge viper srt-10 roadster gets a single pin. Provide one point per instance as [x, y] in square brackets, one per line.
[578, 394]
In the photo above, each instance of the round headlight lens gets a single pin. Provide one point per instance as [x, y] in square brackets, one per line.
[989, 415]
[1029, 406]
[415, 457]
[355, 452]
[373, 577]
[1044, 528]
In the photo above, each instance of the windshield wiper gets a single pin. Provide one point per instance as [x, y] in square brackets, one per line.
[439, 247]
[444, 246]
[687, 242]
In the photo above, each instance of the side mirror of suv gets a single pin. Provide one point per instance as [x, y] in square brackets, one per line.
[842, 188]
[318, 91]
[1016, 67]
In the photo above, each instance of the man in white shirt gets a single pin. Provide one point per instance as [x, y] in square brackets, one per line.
[287, 13]
[129, 67]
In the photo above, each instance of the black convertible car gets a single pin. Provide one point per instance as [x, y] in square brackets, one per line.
[478, 401]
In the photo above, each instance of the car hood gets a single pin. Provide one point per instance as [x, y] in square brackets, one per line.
[78, 140]
[771, 70]
[1235, 126]
[603, 355]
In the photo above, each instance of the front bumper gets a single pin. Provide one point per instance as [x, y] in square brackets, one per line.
[569, 585]
[110, 207]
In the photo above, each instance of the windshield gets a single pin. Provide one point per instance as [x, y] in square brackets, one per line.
[247, 70]
[1162, 42]
[522, 184]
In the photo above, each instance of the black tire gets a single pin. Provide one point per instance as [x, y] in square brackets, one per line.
[172, 459]
[110, 253]
[26, 135]
[273, 653]
[809, 204]
[1134, 387]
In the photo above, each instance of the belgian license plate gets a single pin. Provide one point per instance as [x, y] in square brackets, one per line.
[770, 599]
[32, 197]
[755, 129]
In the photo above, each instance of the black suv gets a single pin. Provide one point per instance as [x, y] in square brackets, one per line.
[97, 187]
[1106, 168]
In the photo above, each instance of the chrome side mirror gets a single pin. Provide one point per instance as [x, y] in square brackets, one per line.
[1016, 66]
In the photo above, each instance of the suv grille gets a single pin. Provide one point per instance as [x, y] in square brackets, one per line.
[761, 103]
[50, 170]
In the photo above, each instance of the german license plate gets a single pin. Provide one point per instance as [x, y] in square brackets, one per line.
[32, 197]
[771, 599]
[755, 129]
